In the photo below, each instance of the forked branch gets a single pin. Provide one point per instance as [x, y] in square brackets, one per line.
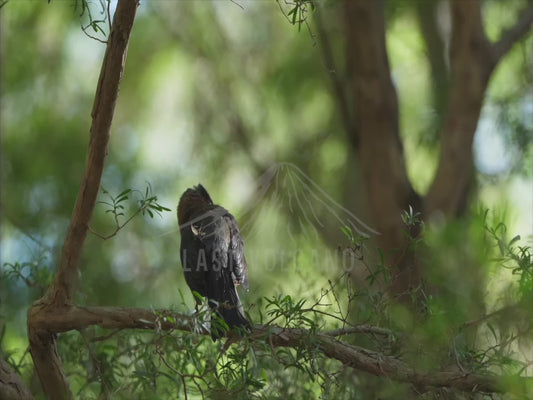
[473, 60]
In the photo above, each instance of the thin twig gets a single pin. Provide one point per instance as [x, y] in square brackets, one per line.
[237, 4]
[483, 318]
[84, 29]
[118, 227]
[109, 15]
[105, 337]
[193, 377]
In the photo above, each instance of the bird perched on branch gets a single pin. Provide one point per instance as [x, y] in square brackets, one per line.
[212, 256]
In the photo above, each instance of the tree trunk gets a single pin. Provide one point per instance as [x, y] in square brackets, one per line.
[376, 126]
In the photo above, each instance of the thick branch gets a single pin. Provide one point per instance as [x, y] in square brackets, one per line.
[76, 318]
[372, 362]
[426, 12]
[43, 341]
[514, 34]
[380, 365]
[11, 386]
[102, 114]
[471, 65]
[473, 59]
[337, 81]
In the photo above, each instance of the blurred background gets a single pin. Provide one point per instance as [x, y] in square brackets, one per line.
[233, 96]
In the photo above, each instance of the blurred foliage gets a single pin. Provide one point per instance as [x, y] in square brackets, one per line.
[222, 93]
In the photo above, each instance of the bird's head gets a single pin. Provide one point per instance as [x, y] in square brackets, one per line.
[192, 202]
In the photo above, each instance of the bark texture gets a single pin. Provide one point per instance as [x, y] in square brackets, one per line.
[379, 149]
[376, 121]
[58, 298]
[11, 386]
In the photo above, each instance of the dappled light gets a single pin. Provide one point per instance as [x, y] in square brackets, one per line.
[376, 158]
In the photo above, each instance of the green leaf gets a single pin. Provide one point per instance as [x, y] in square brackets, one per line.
[198, 295]
[124, 193]
[514, 240]
[121, 199]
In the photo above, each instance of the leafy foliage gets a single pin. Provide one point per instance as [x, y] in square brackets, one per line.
[147, 204]
[225, 110]
[514, 257]
[298, 11]
[34, 274]
[152, 364]
[96, 24]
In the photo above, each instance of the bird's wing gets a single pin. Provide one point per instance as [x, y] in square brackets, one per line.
[237, 260]
[212, 231]
[204, 250]
[219, 232]
[217, 235]
[193, 261]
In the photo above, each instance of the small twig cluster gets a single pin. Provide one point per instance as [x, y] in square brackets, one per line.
[146, 204]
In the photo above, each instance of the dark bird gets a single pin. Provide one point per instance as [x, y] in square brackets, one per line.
[212, 256]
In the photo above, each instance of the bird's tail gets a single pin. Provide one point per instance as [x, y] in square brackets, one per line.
[228, 312]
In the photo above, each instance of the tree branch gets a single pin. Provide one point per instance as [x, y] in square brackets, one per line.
[11, 386]
[337, 81]
[77, 318]
[471, 66]
[59, 295]
[376, 363]
[512, 35]
[509, 311]
[473, 59]
[370, 361]
[426, 12]
[102, 114]
[369, 329]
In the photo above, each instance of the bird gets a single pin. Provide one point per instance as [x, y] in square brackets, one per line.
[212, 256]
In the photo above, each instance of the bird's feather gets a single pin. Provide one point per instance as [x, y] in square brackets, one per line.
[212, 255]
